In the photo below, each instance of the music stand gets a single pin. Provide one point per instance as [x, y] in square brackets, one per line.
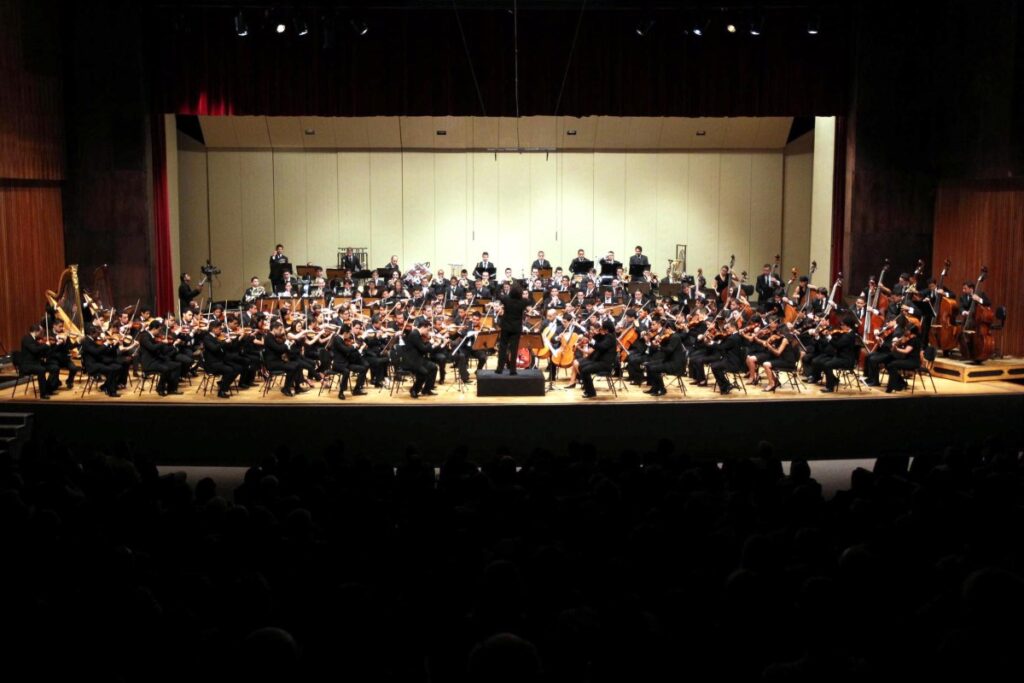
[637, 270]
[544, 273]
[577, 267]
[644, 287]
[485, 341]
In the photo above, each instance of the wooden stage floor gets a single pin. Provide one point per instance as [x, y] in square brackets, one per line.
[810, 424]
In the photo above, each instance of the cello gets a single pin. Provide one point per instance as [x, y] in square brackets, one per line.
[976, 340]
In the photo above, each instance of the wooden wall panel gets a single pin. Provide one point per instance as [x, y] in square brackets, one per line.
[32, 238]
[976, 226]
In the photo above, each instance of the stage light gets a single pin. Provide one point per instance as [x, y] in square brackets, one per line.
[814, 26]
[731, 28]
[755, 27]
[301, 27]
[280, 28]
[241, 28]
[644, 27]
[700, 28]
[360, 27]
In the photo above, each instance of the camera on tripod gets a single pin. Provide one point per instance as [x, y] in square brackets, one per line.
[209, 270]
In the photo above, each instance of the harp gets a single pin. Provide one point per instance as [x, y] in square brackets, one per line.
[101, 296]
[65, 304]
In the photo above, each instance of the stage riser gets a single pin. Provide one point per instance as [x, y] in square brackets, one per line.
[987, 372]
[239, 435]
[524, 383]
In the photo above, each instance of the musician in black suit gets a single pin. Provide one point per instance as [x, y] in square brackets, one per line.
[540, 262]
[346, 359]
[484, 266]
[155, 359]
[35, 361]
[276, 356]
[766, 285]
[638, 259]
[60, 352]
[101, 360]
[350, 261]
[601, 359]
[968, 295]
[186, 293]
[215, 352]
[277, 257]
[733, 358]
[513, 307]
[416, 359]
[840, 354]
[672, 360]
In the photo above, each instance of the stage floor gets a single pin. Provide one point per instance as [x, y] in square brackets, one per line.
[449, 394]
[182, 429]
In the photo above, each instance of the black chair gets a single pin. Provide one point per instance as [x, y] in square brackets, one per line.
[790, 377]
[923, 370]
[91, 382]
[147, 376]
[608, 375]
[998, 326]
[32, 381]
[270, 377]
[677, 379]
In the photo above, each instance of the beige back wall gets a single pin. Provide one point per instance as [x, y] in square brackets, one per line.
[448, 207]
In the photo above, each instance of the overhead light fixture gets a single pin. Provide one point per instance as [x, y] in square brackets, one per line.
[360, 27]
[731, 28]
[442, 132]
[814, 26]
[241, 28]
[309, 131]
[301, 27]
[571, 131]
[280, 28]
[644, 27]
[756, 26]
[700, 28]
[701, 133]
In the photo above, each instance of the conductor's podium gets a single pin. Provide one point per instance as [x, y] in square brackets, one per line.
[525, 383]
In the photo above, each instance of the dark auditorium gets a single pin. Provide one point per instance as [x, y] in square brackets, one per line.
[511, 341]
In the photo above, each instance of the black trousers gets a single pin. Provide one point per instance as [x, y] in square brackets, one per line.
[293, 373]
[346, 369]
[426, 374]
[378, 368]
[508, 347]
[696, 364]
[830, 365]
[719, 369]
[896, 380]
[48, 376]
[108, 371]
[872, 362]
[227, 372]
[170, 374]
[656, 372]
[588, 369]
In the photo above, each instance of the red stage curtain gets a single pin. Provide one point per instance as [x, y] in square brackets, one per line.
[161, 220]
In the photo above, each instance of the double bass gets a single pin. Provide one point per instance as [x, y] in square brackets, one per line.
[976, 340]
[943, 330]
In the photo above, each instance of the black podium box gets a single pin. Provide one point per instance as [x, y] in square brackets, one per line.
[525, 383]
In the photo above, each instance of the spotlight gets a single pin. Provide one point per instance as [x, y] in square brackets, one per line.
[280, 28]
[241, 28]
[814, 26]
[360, 27]
[731, 28]
[756, 26]
[301, 27]
[644, 27]
[700, 28]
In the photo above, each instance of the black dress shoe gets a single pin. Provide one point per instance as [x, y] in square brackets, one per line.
[44, 397]
[414, 394]
[498, 372]
[658, 392]
[287, 392]
[512, 373]
[428, 392]
[828, 390]
[341, 395]
[359, 392]
[223, 393]
[589, 395]
[889, 390]
[301, 390]
[161, 391]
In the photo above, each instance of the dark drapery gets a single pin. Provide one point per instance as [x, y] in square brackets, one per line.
[414, 63]
[161, 219]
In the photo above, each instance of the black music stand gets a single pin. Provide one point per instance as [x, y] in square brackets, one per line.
[637, 270]
[577, 267]
[485, 341]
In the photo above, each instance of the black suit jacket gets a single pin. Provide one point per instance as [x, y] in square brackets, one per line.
[512, 318]
[152, 351]
[186, 294]
[765, 288]
[416, 350]
[32, 351]
[480, 269]
[538, 264]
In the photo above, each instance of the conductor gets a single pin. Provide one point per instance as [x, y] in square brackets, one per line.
[511, 328]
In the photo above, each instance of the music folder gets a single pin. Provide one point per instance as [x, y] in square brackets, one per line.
[580, 267]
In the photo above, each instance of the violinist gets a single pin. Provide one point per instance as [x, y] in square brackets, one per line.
[35, 360]
[840, 353]
[346, 359]
[215, 350]
[100, 360]
[673, 355]
[883, 353]
[638, 355]
[242, 354]
[704, 351]
[181, 345]
[758, 351]
[156, 359]
[783, 347]
[249, 315]
[277, 358]
[416, 359]
[60, 352]
[732, 357]
[601, 358]
[906, 355]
